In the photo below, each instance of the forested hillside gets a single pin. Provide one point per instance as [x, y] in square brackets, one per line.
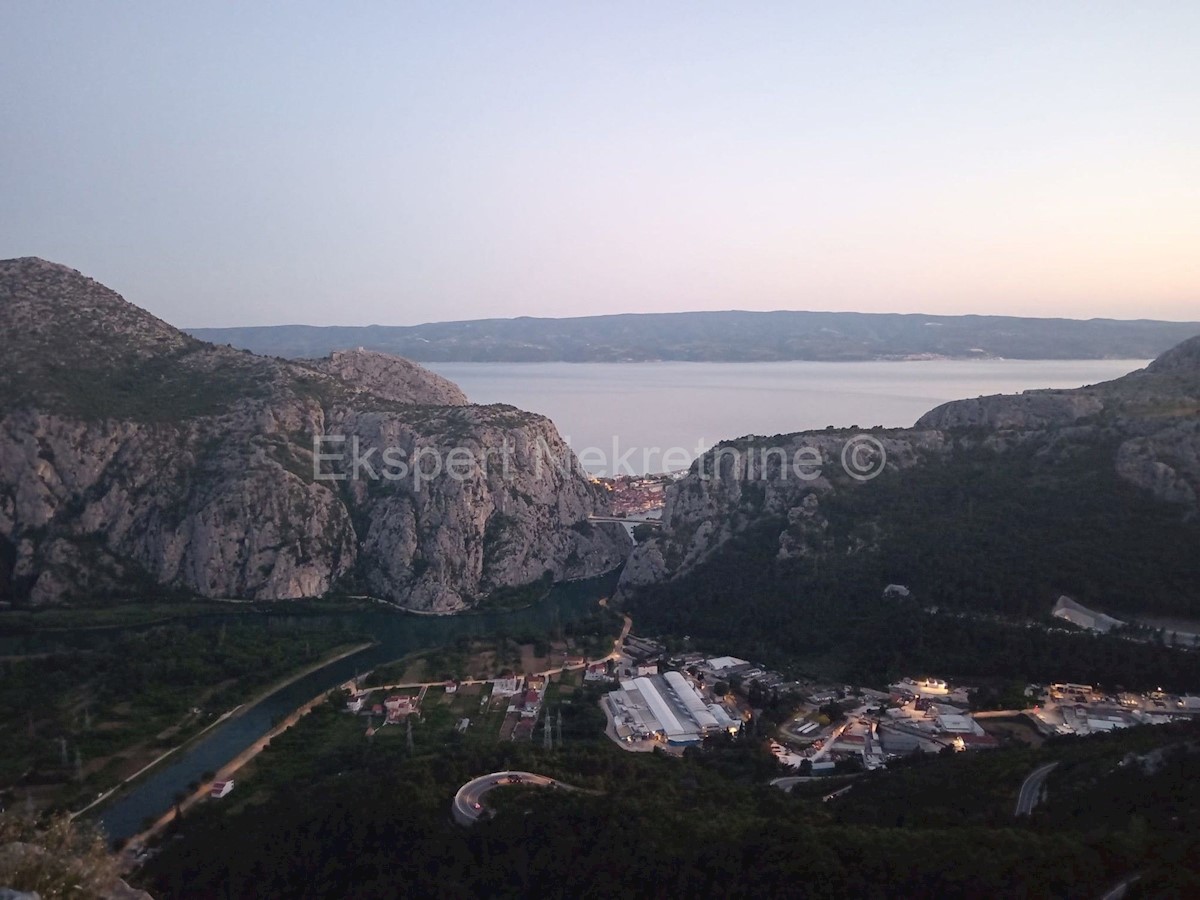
[371, 821]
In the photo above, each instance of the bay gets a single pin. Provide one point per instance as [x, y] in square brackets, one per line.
[650, 417]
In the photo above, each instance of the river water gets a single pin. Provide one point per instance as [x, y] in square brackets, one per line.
[397, 634]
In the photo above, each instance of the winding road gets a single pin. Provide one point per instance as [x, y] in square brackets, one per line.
[468, 805]
[1031, 789]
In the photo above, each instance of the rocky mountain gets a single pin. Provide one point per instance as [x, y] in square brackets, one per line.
[135, 459]
[390, 377]
[1000, 503]
[728, 336]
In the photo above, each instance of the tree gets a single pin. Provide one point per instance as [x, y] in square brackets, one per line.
[832, 712]
[643, 532]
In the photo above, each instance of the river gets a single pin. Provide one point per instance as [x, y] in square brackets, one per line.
[397, 634]
[633, 413]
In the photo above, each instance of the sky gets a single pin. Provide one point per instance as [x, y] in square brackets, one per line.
[402, 162]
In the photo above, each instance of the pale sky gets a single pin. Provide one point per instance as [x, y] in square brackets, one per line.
[401, 162]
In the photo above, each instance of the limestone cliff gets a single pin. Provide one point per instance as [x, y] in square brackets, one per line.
[1144, 429]
[136, 460]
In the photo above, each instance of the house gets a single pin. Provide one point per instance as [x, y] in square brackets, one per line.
[451, 687]
[397, 707]
[596, 672]
[643, 669]
[355, 704]
[221, 788]
[505, 687]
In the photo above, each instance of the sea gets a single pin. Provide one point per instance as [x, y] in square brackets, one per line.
[635, 418]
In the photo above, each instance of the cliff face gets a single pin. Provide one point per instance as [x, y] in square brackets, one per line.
[1144, 428]
[135, 459]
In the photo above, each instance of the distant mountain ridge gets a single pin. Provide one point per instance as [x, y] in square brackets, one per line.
[731, 336]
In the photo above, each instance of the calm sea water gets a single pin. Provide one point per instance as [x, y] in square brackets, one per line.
[643, 409]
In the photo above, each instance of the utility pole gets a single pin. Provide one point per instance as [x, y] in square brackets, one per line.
[546, 736]
[560, 728]
[408, 721]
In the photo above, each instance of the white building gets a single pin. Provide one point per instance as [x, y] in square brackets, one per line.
[221, 788]
[666, 706]
[505, 687]
[725, 662]
[955, 724]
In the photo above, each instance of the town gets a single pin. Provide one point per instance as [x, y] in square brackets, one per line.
[653, 699]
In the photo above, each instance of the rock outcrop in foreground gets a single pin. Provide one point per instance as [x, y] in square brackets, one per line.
[135, 459]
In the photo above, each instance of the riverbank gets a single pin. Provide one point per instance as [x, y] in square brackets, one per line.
[225, 773]
[396, 636]
[233, 766]
[277, 685]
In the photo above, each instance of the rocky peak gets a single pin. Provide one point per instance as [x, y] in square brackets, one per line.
[134, 458]
[390, 377]
[46, 305]
[1183, 359]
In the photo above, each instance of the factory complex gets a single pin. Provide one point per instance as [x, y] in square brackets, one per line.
[665, 708]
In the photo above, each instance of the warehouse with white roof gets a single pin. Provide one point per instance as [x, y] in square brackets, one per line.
[664, 707]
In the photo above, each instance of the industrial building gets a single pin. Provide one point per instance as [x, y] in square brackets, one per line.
[665, 707]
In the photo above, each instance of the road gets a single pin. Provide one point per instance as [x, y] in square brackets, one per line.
[1031, 789]
[468, 805]
[1121, 888]
[654, 523]
[558, 670]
